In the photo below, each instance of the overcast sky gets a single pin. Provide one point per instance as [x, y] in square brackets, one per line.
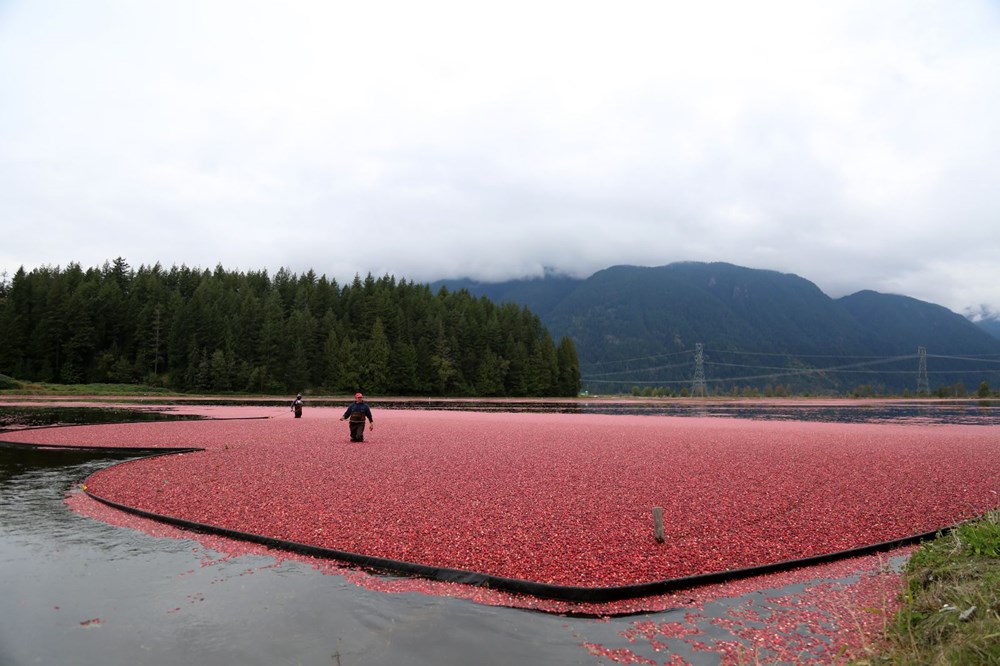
[854, 143]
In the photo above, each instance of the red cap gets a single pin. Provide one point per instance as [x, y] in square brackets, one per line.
[358, 395]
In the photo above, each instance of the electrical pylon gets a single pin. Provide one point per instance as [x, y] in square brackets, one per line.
[923, 386]
[698, 383]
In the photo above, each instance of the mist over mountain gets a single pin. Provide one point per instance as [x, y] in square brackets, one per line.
[642, 326]
[985, 318]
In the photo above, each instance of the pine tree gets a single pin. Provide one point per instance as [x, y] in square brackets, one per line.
[194, 329]
[375, 360]
[568, 383]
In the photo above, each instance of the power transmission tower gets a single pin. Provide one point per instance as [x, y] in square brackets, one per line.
[923, 386]
[698, 384]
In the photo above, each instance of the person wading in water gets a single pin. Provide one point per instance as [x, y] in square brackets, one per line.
[357, 413]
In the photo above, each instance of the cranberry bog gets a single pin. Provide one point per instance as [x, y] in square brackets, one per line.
[554, 505]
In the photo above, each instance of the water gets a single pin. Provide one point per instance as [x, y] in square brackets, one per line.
[78, 591]
[74, 590]
[955, 411]
[13, 418]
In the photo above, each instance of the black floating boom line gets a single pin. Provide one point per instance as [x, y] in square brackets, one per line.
[146, 451]
[139, 421]
[570, 593]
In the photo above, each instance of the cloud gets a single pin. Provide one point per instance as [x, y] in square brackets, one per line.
[851, 144]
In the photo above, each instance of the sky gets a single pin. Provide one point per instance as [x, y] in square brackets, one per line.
[853, 143]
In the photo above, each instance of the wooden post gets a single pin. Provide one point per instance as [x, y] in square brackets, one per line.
[658, 524]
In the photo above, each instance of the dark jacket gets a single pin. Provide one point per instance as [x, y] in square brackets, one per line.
[358, 411]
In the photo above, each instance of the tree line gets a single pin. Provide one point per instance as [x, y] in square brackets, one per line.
[220, 331]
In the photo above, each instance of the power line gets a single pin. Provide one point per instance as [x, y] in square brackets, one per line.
[637, 358]
[982, 359]
[787, 354]
[699, 361]
[886, 359]
[650, 369]
[867, 366]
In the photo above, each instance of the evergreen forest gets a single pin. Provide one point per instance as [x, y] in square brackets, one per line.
[197, 330]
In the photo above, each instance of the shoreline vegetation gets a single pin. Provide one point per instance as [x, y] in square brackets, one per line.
[950, 598]
[10, 386]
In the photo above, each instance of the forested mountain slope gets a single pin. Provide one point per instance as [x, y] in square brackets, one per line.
[640, 326]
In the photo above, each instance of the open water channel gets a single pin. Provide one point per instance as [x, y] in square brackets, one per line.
[74, 590]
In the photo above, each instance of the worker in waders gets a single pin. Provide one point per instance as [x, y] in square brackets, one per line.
[297, 406]
[357, 413]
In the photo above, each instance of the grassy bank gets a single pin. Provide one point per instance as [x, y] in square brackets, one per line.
[123, 390]
[951, 601]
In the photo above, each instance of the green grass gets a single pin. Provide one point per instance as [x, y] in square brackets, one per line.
[951, 601]
[126, 390]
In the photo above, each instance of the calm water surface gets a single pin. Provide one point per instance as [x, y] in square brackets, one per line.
[78, 591]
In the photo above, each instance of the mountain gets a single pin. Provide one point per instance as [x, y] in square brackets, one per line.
[539, 295]
[991, 326]
[641, 327]
[896, 323]
[985, 319]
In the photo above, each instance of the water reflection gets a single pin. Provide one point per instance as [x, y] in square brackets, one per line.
[972, 412]
[75, 590]
[18, 417]
[968, 412]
